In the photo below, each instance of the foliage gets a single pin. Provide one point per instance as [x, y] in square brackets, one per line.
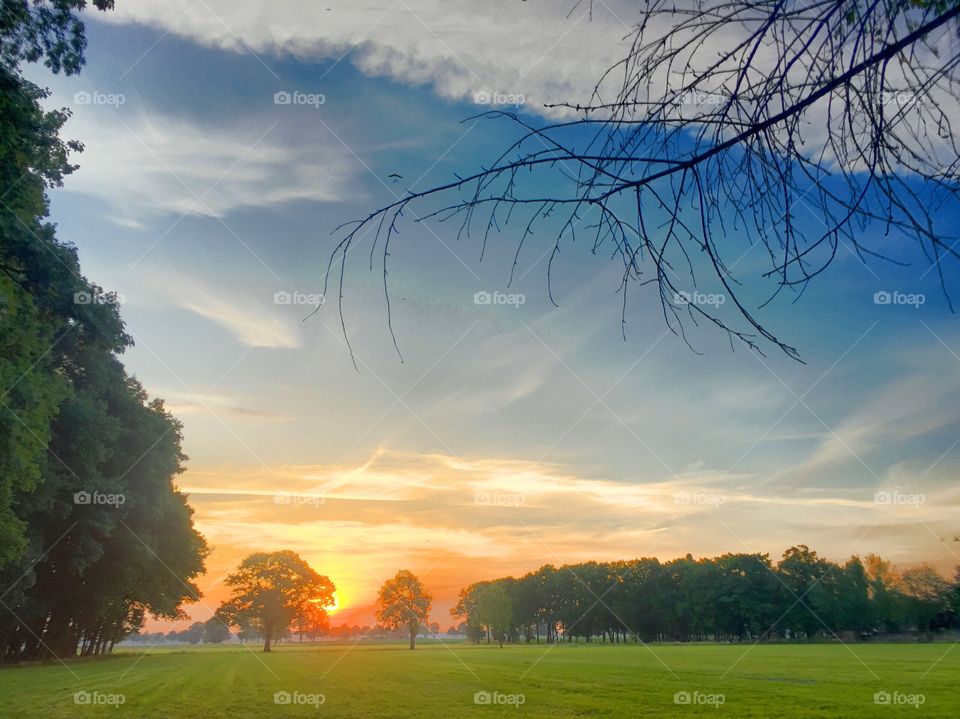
[78, 574]
[270, 590]
[404, 602]
[733, 597]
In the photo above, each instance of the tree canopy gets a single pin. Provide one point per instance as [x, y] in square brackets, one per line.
[94, 534]
[404, 602]
[733, 597]
[270, 590]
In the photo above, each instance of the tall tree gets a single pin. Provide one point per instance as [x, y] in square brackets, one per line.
[269, 590]
[494, 611]
[404, 602]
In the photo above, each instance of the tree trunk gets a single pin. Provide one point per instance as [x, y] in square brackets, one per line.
[413, 635]
[268, 633]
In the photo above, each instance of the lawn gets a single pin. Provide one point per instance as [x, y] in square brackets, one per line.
[447, 680]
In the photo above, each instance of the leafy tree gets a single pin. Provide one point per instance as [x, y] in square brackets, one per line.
[269, 590]
[31, 30]
[312, 620]
[215, 631]
[194, 633]
[930, 594]
[404, 602]
[494, 611]
[734, 597]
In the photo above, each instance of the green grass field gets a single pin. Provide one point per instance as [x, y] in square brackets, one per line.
[441, 680]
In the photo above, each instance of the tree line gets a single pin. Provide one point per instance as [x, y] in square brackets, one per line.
[94, 535]
[733, 597]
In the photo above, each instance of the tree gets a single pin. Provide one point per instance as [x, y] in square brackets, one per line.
[194, 633]
[724, 119]
[81, 575]
[404, 602]
[930, 597]
[215, 631]
[269, 590]
[312, 620]
[494, 611]
[32, 30]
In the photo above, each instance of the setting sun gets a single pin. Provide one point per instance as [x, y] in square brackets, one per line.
[336, 606]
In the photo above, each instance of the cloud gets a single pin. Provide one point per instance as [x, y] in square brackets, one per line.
[547, 52]
[254, 320]
[912, 406]
[157, 164]
[459, 47]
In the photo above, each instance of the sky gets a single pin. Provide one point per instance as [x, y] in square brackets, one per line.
[510, 435]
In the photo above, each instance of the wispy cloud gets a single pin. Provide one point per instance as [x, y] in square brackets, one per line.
[151, 163]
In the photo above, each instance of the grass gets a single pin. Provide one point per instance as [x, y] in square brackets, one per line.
[440, 680]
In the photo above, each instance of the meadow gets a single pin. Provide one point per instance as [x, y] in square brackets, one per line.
[454, 680]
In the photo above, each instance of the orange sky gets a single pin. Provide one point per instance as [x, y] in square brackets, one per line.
[453, 521]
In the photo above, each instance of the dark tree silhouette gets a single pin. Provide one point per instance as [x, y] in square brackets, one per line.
[722, 121]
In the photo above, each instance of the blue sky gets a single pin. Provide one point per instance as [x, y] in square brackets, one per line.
[199, 199]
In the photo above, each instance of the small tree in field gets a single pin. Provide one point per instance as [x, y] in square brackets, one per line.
[270, 589]
[403, 602]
